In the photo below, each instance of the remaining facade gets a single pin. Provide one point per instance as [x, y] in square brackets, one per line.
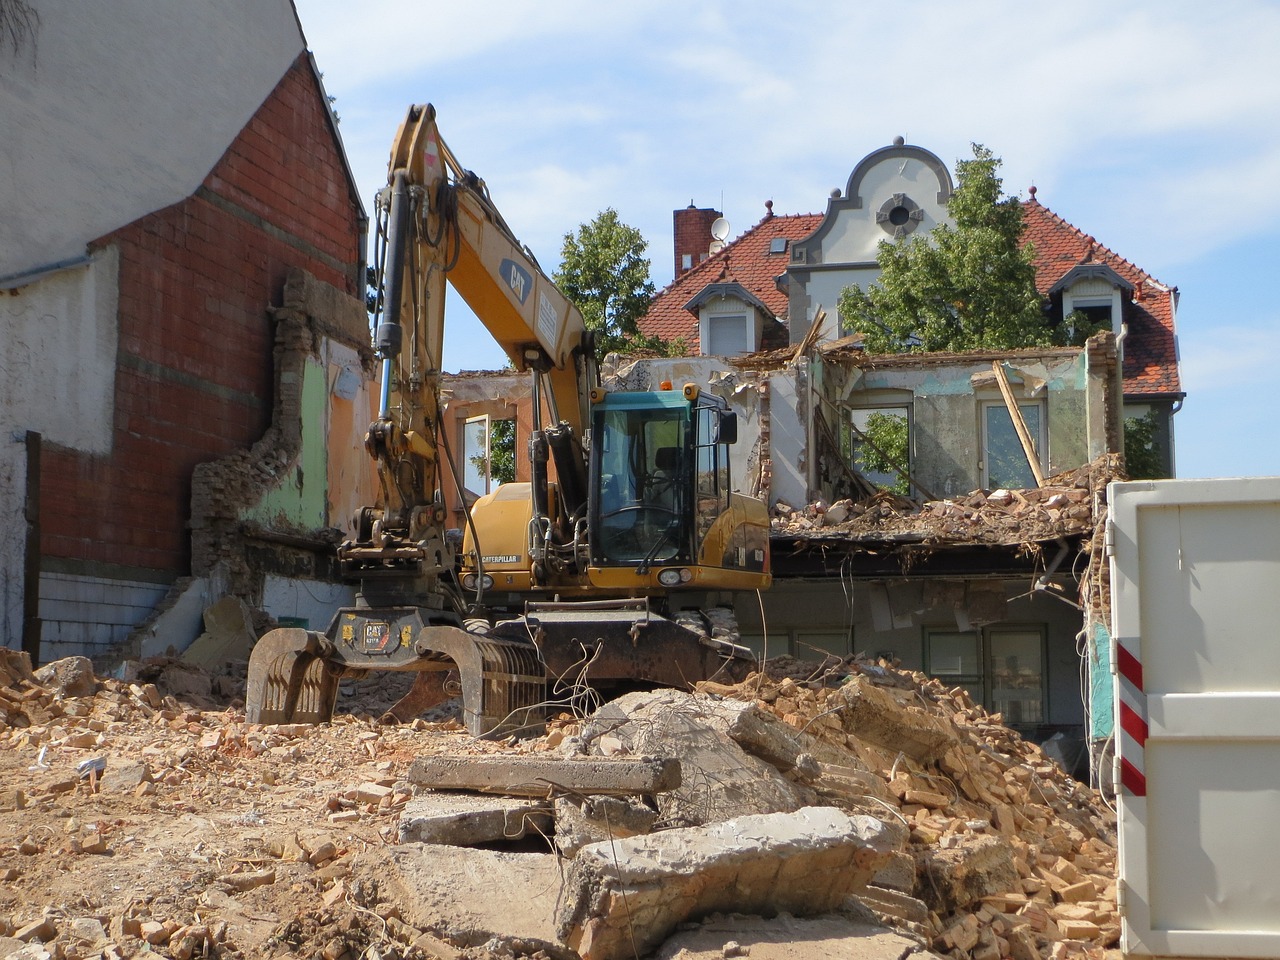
[148, 235]
[786, 271]
[999, 592]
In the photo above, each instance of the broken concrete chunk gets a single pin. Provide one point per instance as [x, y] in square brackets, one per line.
[580, 821]
[877, 717]
[720, 779]
[69, 677]
[956, 878]
[539, 776]
[462, 820]
[470, 896]
[625, 896]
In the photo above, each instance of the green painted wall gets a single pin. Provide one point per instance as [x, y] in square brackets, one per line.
[300, 502]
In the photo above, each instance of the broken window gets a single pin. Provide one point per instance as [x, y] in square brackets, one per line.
[1002, 668]
[488, 455]
[1004, 462]
[878, 444]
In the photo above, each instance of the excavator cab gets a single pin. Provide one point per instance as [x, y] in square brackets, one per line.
[660, 475]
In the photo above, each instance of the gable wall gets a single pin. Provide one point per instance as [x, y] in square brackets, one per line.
[193, 366]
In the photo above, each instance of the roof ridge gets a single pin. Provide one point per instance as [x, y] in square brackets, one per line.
[1097, 246]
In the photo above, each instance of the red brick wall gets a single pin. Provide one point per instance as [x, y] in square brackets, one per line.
[194, 363]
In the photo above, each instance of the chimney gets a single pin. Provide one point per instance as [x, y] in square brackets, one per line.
[692, 236]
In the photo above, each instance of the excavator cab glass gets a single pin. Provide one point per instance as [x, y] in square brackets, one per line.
[641, 449]
[660, 472]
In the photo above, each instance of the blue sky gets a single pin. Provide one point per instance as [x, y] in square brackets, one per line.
[1154, 126]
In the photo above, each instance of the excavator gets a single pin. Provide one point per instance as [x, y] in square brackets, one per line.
[612, 567]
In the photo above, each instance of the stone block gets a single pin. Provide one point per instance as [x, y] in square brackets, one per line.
[470, 896]
[723, 937]
[628, 895]
[461, 819]
[720, 780]
[538, 776]
[875, 716]
[955, 878]
[69, 677]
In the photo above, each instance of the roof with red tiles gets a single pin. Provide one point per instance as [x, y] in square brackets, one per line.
[1150, 353]
[747, 262]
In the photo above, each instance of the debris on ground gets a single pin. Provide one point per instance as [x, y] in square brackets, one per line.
[140, 818]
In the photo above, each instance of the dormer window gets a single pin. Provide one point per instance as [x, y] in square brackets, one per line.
[1096, 293]
[730, 319]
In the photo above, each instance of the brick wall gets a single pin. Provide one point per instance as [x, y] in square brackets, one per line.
[194, 363]
[691, 228]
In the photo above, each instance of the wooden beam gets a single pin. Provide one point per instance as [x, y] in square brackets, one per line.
[1020, 425]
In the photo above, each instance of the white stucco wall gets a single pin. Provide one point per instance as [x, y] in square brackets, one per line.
[119, 109]
[58, 355]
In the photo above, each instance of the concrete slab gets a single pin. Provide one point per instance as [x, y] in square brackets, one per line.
[469, 896]
[539, 776]
[720, 779]
[464, 819]
[789, 938]
[626, 896]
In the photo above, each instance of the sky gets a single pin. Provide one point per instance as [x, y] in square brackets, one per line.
[1153, 125]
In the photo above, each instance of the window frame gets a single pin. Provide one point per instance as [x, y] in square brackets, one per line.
[1040, 437]
[984, 679]
[850, 441]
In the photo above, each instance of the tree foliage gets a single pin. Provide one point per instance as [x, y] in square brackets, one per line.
[885, 450]
[604, 271]
[1142, 454]
[964, 287]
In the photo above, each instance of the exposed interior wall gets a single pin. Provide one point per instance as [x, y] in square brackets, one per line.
[123, 109]
[947, 397]
[267, 514]
[500, 394]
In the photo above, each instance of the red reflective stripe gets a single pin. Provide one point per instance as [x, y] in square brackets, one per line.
[1132, 724]
[1132, 779]
[1130, 666]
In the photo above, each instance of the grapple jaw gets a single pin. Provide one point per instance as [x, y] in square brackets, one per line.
[291, 678]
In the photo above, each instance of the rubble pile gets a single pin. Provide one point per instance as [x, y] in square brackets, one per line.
[1066, 504]
[1006, 855]
[132, 822]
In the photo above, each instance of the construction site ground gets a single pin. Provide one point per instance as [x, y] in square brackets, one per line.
[144, 816]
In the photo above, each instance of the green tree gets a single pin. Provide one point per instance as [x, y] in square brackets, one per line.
[502, 450]
[604, 271]
[1142, 459]
[964, 287]
[885, 450]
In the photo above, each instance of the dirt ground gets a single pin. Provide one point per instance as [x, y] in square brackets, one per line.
[143, 816]
[201, 835]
